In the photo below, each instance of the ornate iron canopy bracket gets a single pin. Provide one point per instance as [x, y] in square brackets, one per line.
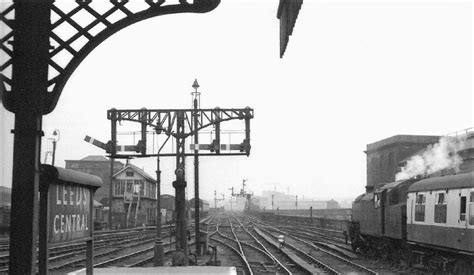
[74, 33]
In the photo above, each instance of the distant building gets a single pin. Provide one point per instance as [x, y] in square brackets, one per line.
[383, 156]
[130, 183]
[284, 202]
[98, 166]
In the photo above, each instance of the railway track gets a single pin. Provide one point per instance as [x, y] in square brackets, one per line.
[282, 262]
[108, 245]
[66, 252]
[99, 235]
[324, 259]
[131, 255]
[319, 233]
[326, 255]
[338, 247]
[257, 255]
[261, 261]
[226, 247]
[112, 251]
[144, 257]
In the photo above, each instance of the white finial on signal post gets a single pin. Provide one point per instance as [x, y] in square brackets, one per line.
[195, 84]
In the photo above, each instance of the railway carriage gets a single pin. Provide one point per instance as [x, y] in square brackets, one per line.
[440, 220]
[429, 222]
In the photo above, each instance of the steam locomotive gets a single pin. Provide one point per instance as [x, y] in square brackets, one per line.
[428, 222]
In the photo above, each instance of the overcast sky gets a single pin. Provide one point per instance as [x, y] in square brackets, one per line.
[354, 72]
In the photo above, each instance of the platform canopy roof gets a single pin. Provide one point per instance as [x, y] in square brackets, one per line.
[287, 13]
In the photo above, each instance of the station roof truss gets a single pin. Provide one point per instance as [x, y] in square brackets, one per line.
[287, 13]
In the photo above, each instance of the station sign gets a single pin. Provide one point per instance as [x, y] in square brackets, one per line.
[65, 212]
[69, 212]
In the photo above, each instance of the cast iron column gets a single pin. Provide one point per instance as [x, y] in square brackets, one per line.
[29, 90]
[113, 121]
[180, 184]
[159, 252]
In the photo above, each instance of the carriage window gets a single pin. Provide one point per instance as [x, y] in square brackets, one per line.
[440, 208]
[462, 209]
[420, 208]
[471, 209]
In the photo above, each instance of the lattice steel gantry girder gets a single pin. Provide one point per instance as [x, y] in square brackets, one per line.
[165, 120]
[36, 61]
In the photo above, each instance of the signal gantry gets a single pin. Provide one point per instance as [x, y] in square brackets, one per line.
[178, 124]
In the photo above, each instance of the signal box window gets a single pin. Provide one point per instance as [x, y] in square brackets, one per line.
[139, 186]
[471, 209]
[119, 187]
[440, 208]
[420, 208]
[129, 186]
[129, 174]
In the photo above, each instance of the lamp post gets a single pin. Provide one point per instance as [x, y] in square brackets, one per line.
[57, 135]
[158, 259]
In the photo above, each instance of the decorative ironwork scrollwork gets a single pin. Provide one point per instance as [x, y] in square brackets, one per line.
[76, 28]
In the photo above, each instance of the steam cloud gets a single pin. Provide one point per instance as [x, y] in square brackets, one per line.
[437, 157]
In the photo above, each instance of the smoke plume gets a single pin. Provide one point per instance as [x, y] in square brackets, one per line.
[437, 157]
